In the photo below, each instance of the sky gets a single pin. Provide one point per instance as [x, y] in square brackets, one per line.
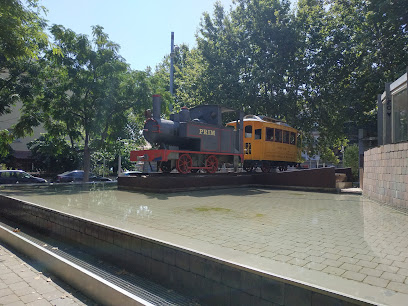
[141, 27]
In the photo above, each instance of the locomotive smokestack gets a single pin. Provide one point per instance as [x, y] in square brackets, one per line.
[156, 107]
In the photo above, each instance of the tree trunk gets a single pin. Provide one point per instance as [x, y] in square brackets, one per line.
[87, 158]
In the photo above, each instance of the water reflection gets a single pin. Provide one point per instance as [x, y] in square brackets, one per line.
[144, 212]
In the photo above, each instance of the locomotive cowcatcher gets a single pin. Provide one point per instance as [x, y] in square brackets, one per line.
[192, 139]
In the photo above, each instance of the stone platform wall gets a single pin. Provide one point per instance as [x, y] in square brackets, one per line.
[322, 179]
[386, 174]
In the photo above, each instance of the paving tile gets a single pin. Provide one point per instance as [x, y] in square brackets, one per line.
[16, 293]
[331, 256]
[282, 258]
[364, 257]
[17, 303]
[367, 264]
[387, 268]
[18, 285]
[332, 263]
[254, 251]
[267, 254]
[349, 260]
[396, 258]
[403, 272]
[315, 266]
[300, 255]
[44, 303]
[351, 267]
[298, 262]
[333, 270]
[5, 292]
[315, 259]
[375, 281]
[12, 298]
[354, 275]
[400, 264]
[398, 287]
[372, 272]
[393, 277]
[382, 261]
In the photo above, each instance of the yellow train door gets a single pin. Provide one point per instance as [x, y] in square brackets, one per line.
[257, 143]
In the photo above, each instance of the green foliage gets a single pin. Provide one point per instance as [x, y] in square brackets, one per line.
[88, 91]
[351, 158]
[22, 38]
[320, 68]
[5, 140]
[53, 154]
[22, 30]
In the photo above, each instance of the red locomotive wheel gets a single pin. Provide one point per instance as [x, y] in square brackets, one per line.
[211, 164]
[184, 164]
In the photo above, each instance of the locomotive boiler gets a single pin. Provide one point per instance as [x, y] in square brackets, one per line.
[193, 139]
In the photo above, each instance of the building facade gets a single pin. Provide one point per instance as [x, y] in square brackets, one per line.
[386, 166]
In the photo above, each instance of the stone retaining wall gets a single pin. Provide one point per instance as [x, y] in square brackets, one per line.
[386, 174]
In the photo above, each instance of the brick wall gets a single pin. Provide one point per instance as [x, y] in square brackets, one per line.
[386, 174]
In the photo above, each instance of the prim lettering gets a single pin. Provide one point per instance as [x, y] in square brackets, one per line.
[207, 132]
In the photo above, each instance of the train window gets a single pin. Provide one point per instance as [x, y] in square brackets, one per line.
[269, 134]
[258, 134]
[286, 136]
[247, 149]
[248, 131]
[292, 138]
[278, 135]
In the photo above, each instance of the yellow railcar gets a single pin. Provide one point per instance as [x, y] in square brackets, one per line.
[268, 143]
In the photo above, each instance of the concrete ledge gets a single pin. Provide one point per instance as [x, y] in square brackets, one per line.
[88, 283]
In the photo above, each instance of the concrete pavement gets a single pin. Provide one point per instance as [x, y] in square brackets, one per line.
[23, 282]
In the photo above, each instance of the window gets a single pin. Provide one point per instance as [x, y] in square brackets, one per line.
[278, 135]
[269, 134]
[258, 134]
[400, 116]
[247, 149]
[292, 138]
[248, 131]
[286, 136]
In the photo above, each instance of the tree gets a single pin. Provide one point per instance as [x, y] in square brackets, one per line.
[88, 91]
[347, 50]
[351, 157]
[53, 154]
[22, 38]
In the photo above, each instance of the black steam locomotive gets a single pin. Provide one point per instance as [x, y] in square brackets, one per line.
[192, 139]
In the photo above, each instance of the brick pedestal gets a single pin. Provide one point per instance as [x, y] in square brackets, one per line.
[386, 174]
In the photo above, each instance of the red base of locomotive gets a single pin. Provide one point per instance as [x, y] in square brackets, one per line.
[184, 161]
